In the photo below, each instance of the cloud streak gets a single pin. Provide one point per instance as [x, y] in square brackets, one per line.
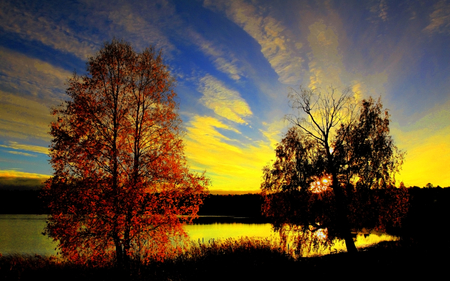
[439, 18]
[276, 46]
[36, 23]
[26, 147]
[28, 88]
[223, 60]
[224, 102]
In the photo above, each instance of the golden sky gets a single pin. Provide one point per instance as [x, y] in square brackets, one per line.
[234, 62]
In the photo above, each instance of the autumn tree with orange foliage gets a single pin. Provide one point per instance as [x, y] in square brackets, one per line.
[121, 188]
[334, 171]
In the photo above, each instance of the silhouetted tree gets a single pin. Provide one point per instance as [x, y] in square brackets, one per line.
[326, 166]
[121, 187]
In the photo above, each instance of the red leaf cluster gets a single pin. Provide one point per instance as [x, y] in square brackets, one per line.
[121, 187]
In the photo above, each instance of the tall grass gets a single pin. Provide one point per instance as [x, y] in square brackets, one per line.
[237, 259]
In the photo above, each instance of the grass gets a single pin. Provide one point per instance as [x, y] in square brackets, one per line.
[247, 259]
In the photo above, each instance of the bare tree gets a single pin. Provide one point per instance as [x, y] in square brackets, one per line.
[325, 113]
[332, 141]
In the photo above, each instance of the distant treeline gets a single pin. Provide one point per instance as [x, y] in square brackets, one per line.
[429, 207]
[21, 202]
[247, 205]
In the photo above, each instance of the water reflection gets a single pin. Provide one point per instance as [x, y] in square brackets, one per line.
[23, 234]
[207, 232]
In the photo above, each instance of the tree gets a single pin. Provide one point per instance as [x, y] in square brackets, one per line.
[121, 187]
[328, 165]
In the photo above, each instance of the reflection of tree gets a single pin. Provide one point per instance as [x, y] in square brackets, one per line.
[353, 150]
[121, 187]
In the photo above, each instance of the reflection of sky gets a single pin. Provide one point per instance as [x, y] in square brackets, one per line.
[234, 61]
[207, 232]
[23, 234]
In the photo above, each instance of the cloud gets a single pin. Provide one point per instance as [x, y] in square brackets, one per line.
[230, 164]
[325, 60]
[26, 147]
[41, 23]
[440, 18]
[223, 101]
[32, 78]
[223, 60]
[273, 131]
[327, 68]
[20, 153]
[379, 9]
[141, 22]
[28, 88]
[21, 118]
[276, 43]
[80, 28]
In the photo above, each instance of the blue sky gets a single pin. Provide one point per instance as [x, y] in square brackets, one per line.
[234, 62]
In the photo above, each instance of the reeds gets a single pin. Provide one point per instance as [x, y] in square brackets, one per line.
[238, 259]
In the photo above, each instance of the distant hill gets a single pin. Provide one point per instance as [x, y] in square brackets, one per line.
[20, 183]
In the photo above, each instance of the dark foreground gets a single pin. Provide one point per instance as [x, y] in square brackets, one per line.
[252, 261]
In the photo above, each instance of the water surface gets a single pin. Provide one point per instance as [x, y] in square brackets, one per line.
[22, 234]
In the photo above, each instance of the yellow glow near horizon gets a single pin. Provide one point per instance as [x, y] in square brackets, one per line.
[20, 174]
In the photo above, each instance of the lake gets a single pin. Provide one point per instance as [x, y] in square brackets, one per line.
[22, 234]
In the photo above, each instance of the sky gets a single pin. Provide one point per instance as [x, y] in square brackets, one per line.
[235, 62]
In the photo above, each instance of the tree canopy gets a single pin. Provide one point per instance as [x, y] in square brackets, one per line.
[334, 169]
[121, 187]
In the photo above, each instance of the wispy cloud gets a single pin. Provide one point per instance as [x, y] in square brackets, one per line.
[379, 10]
[58, 26]
[325, 64]
[26, 147]
[142, 22]
[223, 60]
[28, 88]
[276, 46]
[273, 131]
[440, 18]
[230, 165]
[223, 101]
[20, 153]
[39, 23]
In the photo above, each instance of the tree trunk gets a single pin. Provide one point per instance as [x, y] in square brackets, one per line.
[342, 214]
[119, 251]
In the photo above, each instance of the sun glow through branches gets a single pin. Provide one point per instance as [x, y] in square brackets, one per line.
[321, 185]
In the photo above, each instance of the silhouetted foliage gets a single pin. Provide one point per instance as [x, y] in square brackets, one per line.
[244, 259]
[121, 187]
[327, 168]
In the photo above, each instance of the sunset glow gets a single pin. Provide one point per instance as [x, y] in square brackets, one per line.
[321, 185]
[234, 62]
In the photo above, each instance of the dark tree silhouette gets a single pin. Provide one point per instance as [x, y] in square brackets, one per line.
[327, 167]
[121, 187]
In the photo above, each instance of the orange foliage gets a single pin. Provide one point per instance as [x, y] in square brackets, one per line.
[121, 187]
